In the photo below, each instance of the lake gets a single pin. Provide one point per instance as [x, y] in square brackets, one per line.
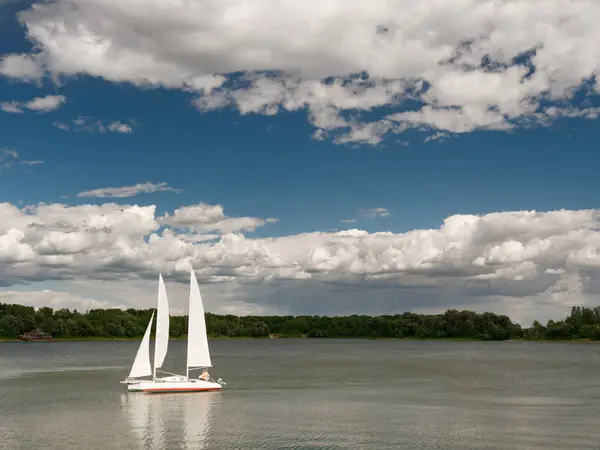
[303, 393]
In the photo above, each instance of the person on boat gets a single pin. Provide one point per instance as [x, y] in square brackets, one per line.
[205, 375]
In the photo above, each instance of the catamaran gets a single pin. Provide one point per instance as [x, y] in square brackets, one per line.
[198, 354]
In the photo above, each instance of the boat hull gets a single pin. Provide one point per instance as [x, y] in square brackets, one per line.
[163, 386]
[35, 338]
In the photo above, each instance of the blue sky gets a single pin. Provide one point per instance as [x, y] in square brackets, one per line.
[270, 166]
[231, 112]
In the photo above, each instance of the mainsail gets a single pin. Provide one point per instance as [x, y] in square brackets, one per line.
[198, 354]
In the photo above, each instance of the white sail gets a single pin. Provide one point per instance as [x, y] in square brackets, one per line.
[141, 365]
[198, 354]
[161, 343]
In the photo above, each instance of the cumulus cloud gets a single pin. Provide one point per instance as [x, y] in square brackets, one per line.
[46, 104]
[129, 191]
[11, 107]
[204, 218]
[39, 104]
[10, 157]
[361, 71]
[526, 263]
[23, 67]
[84, 123]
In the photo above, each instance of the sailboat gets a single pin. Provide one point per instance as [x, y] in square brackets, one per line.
[198, 354]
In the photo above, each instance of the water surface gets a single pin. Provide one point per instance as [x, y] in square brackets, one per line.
[334, 394]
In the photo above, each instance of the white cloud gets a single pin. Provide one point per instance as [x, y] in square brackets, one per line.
[370, 213]
[11, 107]
[204, 218]
[10, 157]
[12, 249]
[84, 123]
[526, 263]
[373, 213]
[22, 67]
[46, 104]
[39, 104]
[129, 191]
[456, 121]
[119, 127]
[61, 126]
[361, 70]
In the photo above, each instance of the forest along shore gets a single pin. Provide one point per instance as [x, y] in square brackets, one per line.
[581, 325]
[224, 338]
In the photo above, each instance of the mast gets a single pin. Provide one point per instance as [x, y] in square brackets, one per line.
[161, 342]
[187, 367]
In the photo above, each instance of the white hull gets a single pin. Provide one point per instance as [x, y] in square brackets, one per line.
[172, 384]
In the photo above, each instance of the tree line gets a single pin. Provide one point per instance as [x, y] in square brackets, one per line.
[582, 323]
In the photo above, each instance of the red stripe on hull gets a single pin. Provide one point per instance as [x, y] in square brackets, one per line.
[159, 390]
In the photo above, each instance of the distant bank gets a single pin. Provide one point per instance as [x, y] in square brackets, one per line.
[224, 338]
[581, 325]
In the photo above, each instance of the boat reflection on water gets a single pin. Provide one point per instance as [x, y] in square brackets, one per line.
[162, 421]
[198, 410]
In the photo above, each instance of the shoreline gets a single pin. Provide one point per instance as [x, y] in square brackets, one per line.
[244, 338]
